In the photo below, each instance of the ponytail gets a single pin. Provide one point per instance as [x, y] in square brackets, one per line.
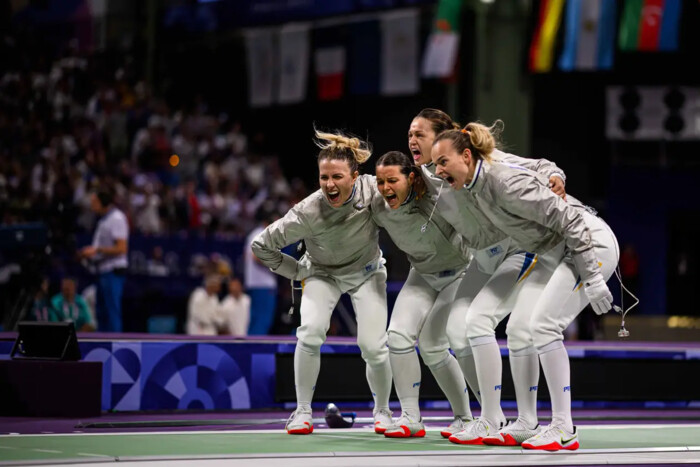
[337, 146]
[478, 138]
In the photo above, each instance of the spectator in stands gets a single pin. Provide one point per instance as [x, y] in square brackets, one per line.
[70, 306]
[108, 254]
[204, 316]
[156, 266]
[235, 309]
[260, 282]
[41, 309]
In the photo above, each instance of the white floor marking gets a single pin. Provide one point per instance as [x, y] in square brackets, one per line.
[89, 454]
[337, 430]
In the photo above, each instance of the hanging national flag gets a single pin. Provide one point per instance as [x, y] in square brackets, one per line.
[330, 58]
[448, 14]
[400, 52]
[293, 62]
[650, 25]
[330, 72]
[542, 47]
[260, 50]
[668, 38]
[589, 35]
[443, 43]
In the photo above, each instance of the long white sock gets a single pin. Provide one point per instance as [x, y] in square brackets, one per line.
[405, 368]
[465, 358]
[379, 379]
[450, 379]
[307, 364]
[525, 368]
[489, 369]
[555, 365]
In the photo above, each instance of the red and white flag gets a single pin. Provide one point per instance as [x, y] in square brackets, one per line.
[330, 72]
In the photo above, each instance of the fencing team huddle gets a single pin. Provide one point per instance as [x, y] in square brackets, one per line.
[488, 234]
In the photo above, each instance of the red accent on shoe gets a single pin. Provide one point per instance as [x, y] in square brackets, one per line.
[552, 447]
[572, 447]
[472, 441]
[446, 434]
[378, 430]
[405, 433]
[302, 431]
[508, 440]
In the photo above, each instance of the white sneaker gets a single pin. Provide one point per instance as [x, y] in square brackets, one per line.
[382, 420]
[512, 434]
[300, 422]
[457, 425]
[474, 433]
[553, 438]
[405, 427]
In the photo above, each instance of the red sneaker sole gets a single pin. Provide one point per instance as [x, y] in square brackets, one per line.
[471, 442]
[406, 434]
[508, 440]
[301, 431]
[552, 447]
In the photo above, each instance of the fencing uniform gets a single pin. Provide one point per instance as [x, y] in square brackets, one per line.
[520, 202]
[573, 246]
[438, 257]
[485, 295]
[342, 256]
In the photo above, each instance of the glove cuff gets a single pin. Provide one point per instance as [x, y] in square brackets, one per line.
[586, 264]
[287, 268]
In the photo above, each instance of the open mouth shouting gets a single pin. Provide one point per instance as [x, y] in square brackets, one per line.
[416, 153]
[333, 196]
[391, 199]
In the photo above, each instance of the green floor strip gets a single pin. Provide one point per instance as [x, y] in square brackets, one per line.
[17, 448]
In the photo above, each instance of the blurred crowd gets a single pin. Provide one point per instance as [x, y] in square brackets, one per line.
[72, 123]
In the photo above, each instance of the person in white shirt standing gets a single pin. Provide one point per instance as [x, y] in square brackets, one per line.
[108, 254]
[235, 309]
[260, 282]
[204, 317]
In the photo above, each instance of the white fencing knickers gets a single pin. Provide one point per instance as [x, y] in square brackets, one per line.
[420, 313]
[481, 314]
[481, 303]
[556, 288]
[319, 298]
[547, 303]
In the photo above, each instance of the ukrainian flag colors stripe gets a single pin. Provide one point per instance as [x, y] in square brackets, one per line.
[528, 264]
